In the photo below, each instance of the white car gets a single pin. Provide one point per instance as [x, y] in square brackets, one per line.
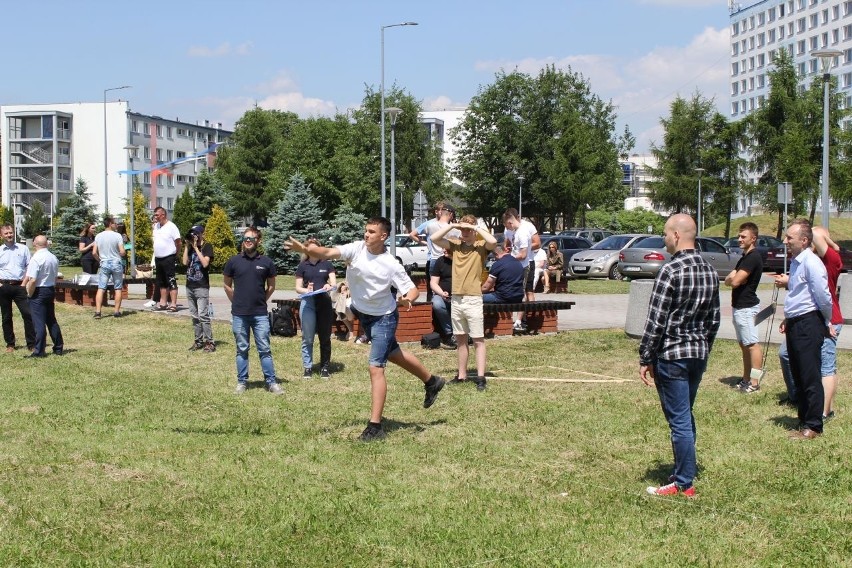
[602, 259]
[411, 254]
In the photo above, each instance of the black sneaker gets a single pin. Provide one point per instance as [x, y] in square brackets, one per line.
[196, 346]
[433, 390]
[307, 374]
[372, 433]
[480, 383]
[324, 374]
[456, 380]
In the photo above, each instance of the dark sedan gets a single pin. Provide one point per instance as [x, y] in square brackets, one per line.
[567, 246]
[771, 250]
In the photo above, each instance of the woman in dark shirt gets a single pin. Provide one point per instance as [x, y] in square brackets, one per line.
[87, 243]
[315, 312]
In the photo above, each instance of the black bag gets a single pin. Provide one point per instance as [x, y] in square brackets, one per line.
[282, 323]
[431, 340]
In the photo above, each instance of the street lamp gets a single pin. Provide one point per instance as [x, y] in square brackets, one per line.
[521, 179]
[700, 172]
[826, 57]
[384, 210]
[106, 147]
[131, 151]
[393, 113]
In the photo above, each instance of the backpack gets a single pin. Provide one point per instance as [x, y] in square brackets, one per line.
[282, 323]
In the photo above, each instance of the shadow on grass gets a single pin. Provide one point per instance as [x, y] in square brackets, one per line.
[391, 425]
[660, 472]
[786, 422]
[730, 381]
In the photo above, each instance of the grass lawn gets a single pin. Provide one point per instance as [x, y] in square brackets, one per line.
[130, 451]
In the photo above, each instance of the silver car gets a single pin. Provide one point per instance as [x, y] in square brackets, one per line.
[644, 258]
[602, 259]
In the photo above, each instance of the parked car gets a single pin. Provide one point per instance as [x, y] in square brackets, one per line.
[771, 250]
[644, 258]
[602, 258]
[593, 235]
[411, 254]
[568, 246]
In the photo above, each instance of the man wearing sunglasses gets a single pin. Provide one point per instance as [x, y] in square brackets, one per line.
[444, 215]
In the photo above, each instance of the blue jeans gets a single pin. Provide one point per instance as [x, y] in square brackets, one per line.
[259, 326]
[381, 331]
[677, 384]
[441, 311]
[44, 320]
[317, 316]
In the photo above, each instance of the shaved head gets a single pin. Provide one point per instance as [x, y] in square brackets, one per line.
[679, 233]
[40, 241]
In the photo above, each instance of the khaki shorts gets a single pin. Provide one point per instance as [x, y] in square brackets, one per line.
[466, 316]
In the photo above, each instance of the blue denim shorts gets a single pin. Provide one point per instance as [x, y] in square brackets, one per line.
[829, 353]
[744, 325]
[381, 331]
[114, 268]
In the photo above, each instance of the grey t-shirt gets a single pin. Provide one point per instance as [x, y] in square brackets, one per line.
[109, 245]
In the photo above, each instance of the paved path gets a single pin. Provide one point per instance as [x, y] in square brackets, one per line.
[591, 311]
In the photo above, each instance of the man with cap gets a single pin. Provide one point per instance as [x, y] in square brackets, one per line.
[197, 256]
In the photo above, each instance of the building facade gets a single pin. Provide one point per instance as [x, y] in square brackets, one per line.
[46, 148]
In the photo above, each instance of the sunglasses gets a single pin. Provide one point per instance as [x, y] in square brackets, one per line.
[250, 239]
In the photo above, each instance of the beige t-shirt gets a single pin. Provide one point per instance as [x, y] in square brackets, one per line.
[468, 263]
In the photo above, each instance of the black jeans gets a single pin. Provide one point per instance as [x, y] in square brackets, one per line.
[17, 294]
[804, 344]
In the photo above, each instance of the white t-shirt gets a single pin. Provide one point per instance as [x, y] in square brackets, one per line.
[429, 228]
[540, 263]
[370, 277]
[110, 244]
[164, 239]
[522, 238]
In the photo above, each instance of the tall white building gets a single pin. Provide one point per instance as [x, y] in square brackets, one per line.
[47, 147]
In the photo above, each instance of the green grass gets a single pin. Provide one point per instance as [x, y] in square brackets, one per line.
[841, 228]
[129, 451]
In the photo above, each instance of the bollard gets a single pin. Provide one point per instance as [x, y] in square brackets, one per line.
[844, 296]
[637, 307]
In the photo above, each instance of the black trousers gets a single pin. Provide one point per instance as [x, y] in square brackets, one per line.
[804, 344]
[18, 295]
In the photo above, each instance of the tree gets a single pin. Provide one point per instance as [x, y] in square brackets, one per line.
[143, 229]
[207, 192]
[218, 232]
[633, 221]
[299, 215]
[36, 222]
[7, 215]
[183, 215]
[346, 227]
[73, 213]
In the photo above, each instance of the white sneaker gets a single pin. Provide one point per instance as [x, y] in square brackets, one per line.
[149, 304]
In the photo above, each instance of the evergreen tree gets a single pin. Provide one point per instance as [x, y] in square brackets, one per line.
[7, 215]
[73, 212]
[346, 227]
[298, 214]
[143, 229]
[208, 191]
[217, 232]
[183, 214]
[35, 222]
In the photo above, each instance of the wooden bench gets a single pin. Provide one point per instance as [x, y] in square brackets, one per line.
[77, 294]
[541, 317]
[560, 287]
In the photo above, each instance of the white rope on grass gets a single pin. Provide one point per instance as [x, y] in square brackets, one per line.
[600, 378]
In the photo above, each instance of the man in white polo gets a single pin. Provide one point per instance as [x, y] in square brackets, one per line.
[166, 248]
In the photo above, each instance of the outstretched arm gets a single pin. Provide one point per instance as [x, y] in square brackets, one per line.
[326, 253]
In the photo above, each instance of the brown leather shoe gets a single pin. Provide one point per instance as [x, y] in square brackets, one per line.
[805, 434]
[10, 349]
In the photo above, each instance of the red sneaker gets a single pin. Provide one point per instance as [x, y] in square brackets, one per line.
[671, 489]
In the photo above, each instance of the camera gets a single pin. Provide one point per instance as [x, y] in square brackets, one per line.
[191, 236]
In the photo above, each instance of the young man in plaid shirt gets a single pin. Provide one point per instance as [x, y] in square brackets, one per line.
[683, 319]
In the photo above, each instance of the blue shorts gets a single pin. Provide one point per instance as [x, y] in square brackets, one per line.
[381, 331]
[744, 325]
[111, 267]
[829, 353]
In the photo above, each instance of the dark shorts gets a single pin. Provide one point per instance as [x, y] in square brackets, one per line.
[529, 277]
[166, 271]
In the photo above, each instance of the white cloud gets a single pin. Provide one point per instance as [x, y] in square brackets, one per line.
[222, 50]
[442, 102]
[642, 88]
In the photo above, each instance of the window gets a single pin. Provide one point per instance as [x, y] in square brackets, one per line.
[170, 202]
[159, 154]
[847, 32]
[168, 132]
[147, 153]
[771, 14]
[169, 155]
[846, 80]
[824, 39]
[813, 21]
[812, 67]
[751, 63]
[181, 179]
[735, 107]
[781, 11]
[735, 88]
[835, 12]
[189, 133]
[825, 17]
[761, 39]
[751, 83]
[790, 29]
[761, 60]
[780, 32]
[171, 182]
[159, 202]
[134, 126]
[735, 49]
[743, 85]
[760, 100]
[751, 43]
[814, 42]
[181, 131]
[146, 178]
[159, 131]
[801, 69]
[847, 55]
[761, 81]
[800, 25]
[145, 130]
[160, 180]
[835, 36]
[800, 47]
[772, 36]
[190, 179]
[761, 19]
[735, 28]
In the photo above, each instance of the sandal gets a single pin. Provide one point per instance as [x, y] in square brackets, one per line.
[171, 309]
[97, 315]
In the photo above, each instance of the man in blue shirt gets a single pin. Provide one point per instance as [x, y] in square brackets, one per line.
[39, 282]
[807, 321]
[505, 283]
[249, 279]
[13, 265]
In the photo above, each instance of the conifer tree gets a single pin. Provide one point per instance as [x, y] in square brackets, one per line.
[298, 214]
[217, 232]
[346, 227]
[35, 222]
[7, 215]
[143, 228]
[183, 214]
[73, 213]
[208, 191]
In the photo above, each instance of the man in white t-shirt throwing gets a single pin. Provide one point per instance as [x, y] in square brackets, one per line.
[525, 242]
[166, 248]
[371, 271]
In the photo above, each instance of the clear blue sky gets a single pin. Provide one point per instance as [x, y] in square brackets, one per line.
[212, 60]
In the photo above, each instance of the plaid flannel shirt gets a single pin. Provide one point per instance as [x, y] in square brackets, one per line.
[683, 316]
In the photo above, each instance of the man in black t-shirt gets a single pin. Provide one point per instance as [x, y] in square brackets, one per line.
[441, 285]
[744, 280]
[249, 279]
[197, 256]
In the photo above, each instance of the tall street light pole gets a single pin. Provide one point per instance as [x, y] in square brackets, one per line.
[106, 147]
[131, 151]
[700, 203]
[393, 113]
[521, 179]
[384, 208]
[826, 57]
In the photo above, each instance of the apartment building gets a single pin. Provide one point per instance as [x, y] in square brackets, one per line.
[47, 147]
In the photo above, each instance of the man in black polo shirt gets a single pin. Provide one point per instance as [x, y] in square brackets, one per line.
[249, 279]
